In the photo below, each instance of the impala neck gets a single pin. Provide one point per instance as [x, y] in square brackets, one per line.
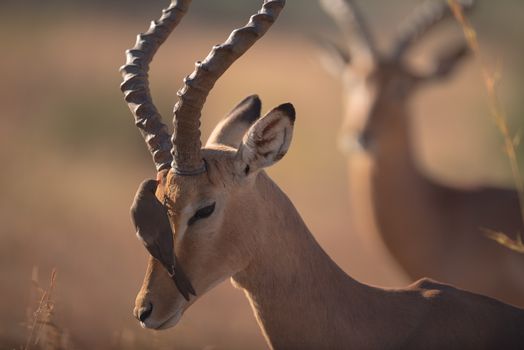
[394, 151]
[399, 193]
[394, 159]
[292, 284]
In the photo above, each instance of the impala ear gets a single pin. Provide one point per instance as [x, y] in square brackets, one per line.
[333, 57]
[267, 141]
[448, 60]
[232, 128]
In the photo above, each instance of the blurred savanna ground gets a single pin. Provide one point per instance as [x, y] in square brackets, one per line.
[71, 157]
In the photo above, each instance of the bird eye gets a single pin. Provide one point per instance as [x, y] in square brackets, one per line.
[202, 213]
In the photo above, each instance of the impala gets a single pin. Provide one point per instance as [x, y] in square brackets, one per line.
[429, 228]
[213, 213]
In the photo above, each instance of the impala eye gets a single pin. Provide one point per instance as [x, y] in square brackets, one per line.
[202, 213]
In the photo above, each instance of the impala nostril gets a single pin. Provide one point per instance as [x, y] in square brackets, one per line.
[364, 139]
[144, 312]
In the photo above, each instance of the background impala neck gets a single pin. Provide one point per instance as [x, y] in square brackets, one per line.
[388, 189]
[394, 149]
[291, 282]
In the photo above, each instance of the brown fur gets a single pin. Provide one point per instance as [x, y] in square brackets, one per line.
[301, 298]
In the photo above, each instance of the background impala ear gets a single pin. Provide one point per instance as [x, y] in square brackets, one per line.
[447, 61]
[333, 57]
[267, 141]
[232, 128]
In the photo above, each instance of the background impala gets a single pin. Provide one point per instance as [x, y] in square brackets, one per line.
[431, 228]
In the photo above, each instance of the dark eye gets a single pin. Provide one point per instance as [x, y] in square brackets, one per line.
[202, 213]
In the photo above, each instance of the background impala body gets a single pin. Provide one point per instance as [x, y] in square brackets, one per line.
[429, 228]
[228, 219]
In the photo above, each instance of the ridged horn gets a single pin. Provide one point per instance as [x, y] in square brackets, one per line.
[187, 159]
[136, 84]
[353, 25]
[424, 18]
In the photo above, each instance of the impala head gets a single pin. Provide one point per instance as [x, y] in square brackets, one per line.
[377, 86]
[193, 218]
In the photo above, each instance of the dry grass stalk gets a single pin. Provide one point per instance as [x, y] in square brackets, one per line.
[43, 333]
[491, 79]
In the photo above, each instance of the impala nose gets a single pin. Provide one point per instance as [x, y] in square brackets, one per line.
[363, 139]
[144, 312]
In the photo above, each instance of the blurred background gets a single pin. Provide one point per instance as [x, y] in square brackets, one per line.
[72, 159]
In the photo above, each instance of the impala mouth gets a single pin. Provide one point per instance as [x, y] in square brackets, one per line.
[349, 144]
[168, 323]
[171, 322]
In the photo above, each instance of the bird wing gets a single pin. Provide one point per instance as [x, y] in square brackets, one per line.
[153, 227]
